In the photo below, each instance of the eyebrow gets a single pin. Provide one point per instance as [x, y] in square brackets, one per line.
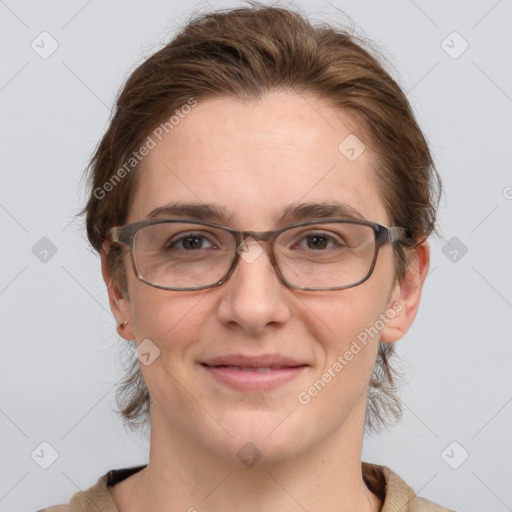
[322, 210]
[198, 211]
[290, 214]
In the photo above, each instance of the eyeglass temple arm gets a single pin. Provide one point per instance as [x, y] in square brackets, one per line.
[117, 236]
[397, 234]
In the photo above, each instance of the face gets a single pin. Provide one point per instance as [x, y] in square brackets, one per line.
[254, 159]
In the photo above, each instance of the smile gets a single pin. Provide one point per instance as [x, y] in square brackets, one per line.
[253, 378]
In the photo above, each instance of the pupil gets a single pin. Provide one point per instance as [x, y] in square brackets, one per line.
[192, 242]
[317, 242]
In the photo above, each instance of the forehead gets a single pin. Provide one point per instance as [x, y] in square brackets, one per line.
[256, 158]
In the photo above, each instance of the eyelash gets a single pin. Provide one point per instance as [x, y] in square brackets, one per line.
[303, 236]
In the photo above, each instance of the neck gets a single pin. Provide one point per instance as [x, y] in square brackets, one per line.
[183, 474]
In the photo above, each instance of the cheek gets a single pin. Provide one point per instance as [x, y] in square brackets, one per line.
[165, 317]
[172, 325]
[346, 313]
[345, 354]
[344, 316]
[347, 325]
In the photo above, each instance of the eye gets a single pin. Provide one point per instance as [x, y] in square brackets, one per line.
[190, 242]
[319, 241]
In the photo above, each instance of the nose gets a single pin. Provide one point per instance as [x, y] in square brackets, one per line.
[254, 297]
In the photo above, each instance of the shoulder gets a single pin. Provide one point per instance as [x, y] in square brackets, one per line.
[418, 504]
[97, 496]
[397, 496]
[55, 508]
[81, 501]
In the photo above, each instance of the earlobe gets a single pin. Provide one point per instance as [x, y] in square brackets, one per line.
[405, 298]
[119, 304]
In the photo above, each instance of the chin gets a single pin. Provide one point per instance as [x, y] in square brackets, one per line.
[267, 437]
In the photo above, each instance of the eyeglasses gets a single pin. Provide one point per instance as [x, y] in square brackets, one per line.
[186, 255]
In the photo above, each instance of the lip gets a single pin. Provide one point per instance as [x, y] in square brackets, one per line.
[241, 372]
[252, 379]
[259, 361]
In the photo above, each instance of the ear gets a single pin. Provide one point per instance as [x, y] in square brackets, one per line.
[405, 297]
[119, 304]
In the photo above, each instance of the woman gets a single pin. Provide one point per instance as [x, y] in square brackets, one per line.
[261, 202]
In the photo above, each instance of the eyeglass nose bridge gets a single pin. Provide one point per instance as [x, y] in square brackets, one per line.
[241, 238]
[262, 236]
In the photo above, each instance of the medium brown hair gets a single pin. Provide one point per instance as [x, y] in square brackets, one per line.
[246, 53]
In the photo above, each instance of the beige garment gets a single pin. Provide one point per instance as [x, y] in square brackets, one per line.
[396, 495]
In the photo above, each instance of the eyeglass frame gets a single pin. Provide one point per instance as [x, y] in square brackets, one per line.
[125, 236]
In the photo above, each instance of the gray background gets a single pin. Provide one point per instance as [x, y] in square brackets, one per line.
[60, 352]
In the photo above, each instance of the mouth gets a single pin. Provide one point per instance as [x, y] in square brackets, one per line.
[253, 378]
[252, 368]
